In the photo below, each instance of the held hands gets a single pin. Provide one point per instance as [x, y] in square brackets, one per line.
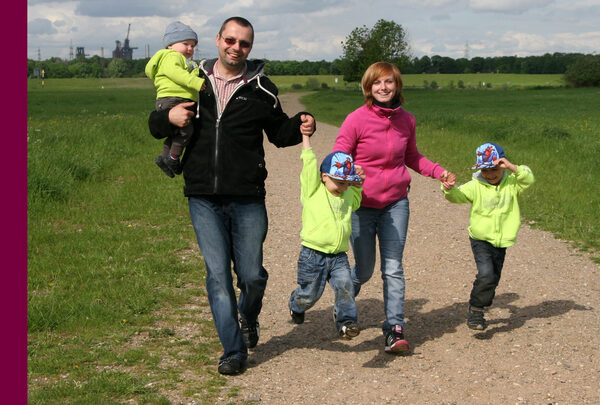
[361, 173]
[448, 180]
[308, 125]
[180, 116]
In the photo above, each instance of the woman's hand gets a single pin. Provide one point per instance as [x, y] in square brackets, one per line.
[448, 180]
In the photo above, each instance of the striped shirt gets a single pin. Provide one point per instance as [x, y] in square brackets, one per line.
[224, 87]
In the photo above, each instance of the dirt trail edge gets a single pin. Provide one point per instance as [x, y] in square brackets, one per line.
[541, 346]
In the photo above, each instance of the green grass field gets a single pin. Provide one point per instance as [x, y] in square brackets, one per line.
[496, 81]
[285, 83]
[112, 254]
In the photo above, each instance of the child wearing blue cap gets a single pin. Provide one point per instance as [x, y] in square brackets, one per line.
[493, 222]
[329, 195]
[176, 82]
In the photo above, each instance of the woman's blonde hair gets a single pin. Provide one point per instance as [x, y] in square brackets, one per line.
[375, 71]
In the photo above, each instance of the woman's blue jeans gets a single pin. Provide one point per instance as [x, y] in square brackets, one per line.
[232, 229]
[389, 225]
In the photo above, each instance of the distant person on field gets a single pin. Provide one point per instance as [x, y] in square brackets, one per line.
[494, 220]
[329, 195]
[177, 81]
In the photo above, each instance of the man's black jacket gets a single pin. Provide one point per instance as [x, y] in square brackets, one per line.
[226, 156]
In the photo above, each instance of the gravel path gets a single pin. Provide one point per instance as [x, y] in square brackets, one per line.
[541, 346]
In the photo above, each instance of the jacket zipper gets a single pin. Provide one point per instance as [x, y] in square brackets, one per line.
[217, 128]
[218, 123]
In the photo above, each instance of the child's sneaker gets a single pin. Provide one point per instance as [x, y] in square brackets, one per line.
[349, 330]
[174, 164]
[297, 317]
[475, 319]
[395, 342]
[161, 162]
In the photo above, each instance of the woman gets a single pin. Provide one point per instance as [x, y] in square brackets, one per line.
[380, 136]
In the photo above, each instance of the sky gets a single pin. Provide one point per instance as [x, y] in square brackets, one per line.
[315, 29]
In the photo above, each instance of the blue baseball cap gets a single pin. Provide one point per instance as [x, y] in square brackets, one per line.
[486, 154]
[340, 166]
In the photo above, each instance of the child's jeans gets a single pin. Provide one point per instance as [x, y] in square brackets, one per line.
[489, 261]
[314, 270]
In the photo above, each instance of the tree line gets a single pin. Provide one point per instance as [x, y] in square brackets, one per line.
[97, 67]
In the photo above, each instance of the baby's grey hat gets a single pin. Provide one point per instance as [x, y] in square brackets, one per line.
[177, 32]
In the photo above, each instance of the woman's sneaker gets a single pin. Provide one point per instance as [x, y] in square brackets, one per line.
[349, 330]
[395, 342]
[475, 319]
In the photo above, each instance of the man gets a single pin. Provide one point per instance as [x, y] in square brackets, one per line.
[224, 172]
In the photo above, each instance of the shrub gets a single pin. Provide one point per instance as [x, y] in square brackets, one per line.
[312, 83]
[434, 84]
[461, 84]
[296, 86]
[584, 73]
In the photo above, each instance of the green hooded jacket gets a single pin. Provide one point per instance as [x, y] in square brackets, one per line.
[326, 219]
[171, 75]
[495, 215]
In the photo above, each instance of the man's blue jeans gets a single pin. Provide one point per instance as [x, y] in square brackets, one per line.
[315, 269]
[232, 229]
[390, 225]
[489, 260]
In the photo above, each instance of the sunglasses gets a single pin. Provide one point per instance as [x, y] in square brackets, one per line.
[232, 41]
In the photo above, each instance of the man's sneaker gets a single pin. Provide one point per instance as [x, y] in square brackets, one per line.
[297, 317]
[231, 366]
[349, 330]
[173, 164]
[250, 333]
[475, 319]
[161, 162]
[395, 342]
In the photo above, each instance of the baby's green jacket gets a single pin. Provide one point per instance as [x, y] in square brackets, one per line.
[495, 215]
[326, 219]
[169, 70]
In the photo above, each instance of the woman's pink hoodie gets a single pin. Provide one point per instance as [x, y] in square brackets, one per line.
[382, 141]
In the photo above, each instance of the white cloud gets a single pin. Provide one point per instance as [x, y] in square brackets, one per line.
[508, 6]
[40, 26]
[313, 30]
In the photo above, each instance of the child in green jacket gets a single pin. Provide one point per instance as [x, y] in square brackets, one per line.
[175, 83]
[329, 195]
[494, 220]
